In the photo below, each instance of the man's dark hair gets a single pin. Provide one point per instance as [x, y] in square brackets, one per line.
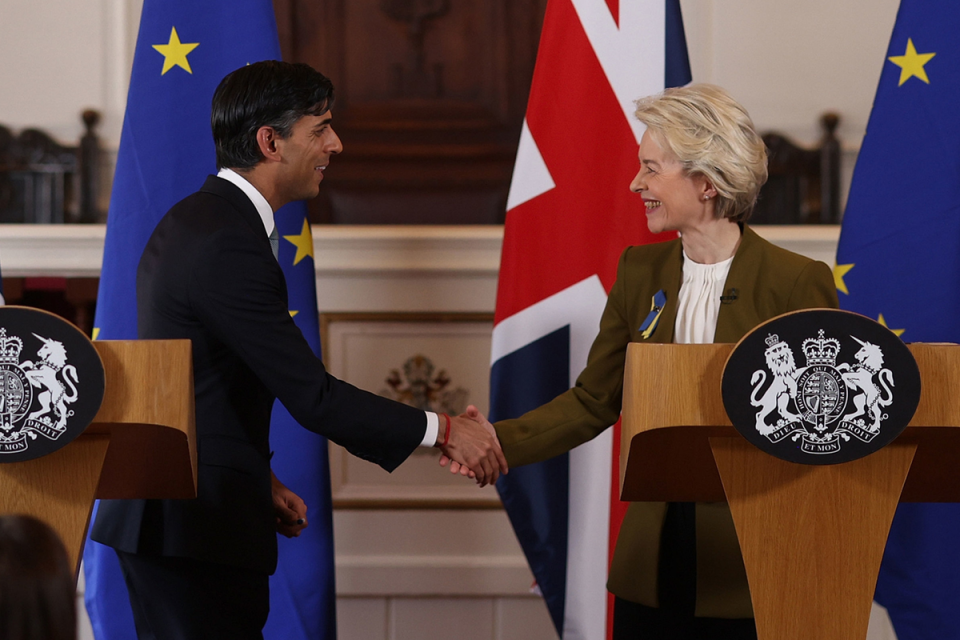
[264, 94]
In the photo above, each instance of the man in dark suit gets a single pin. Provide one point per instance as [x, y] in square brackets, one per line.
[199, 568]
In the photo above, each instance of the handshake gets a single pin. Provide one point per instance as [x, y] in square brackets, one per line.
[471, 448]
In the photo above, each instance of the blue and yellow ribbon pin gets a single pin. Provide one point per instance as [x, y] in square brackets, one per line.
[657, 304]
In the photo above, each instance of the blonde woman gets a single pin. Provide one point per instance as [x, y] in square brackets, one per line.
[677, 571]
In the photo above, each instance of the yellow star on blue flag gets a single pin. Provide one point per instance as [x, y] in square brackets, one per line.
[303, 241]
[883, 321]
[839, 271]
[911, 64]
[175, 52]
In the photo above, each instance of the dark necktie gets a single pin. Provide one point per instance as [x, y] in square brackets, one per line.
[275, 243]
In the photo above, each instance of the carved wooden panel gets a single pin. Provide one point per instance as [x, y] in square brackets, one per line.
[430, 100]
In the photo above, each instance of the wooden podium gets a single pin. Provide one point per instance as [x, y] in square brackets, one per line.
[141, 444]
[812, 536]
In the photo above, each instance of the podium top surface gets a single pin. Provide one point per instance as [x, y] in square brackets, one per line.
[673, 405]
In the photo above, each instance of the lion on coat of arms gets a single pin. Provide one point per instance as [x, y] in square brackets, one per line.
[782, 388]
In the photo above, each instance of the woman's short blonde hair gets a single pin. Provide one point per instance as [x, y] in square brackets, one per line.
[711, 135]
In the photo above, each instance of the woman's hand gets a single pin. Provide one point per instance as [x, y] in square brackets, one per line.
[455, 467]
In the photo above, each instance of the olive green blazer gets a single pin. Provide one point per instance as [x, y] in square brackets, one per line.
[769, 281]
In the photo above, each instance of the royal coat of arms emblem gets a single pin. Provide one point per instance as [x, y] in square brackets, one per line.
[40, 386]
[823, 403]
[48, 379]
[843, 392]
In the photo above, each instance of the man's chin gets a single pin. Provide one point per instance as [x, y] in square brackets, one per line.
[310, 194]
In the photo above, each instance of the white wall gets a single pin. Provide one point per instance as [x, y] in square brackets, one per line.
[786, 61]
[789, 62]
[58, 57]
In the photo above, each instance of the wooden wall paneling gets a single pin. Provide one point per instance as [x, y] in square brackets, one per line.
[430, 97]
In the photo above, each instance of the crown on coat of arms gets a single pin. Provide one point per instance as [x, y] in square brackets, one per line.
[821, 350]
[10, 348]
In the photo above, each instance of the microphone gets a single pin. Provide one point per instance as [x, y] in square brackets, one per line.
[730, 296]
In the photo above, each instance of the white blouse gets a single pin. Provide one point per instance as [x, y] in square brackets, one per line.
[699, 301]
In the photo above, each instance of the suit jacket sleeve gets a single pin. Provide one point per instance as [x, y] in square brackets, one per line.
[239, 295]
[592, 405]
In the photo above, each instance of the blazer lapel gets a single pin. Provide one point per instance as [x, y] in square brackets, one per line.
[743, 271]
[670, 279]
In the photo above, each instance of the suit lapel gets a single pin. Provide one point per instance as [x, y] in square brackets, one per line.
[247, 215]
[743, 272]
[670, 279]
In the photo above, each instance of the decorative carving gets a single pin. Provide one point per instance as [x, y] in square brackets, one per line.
[418, 82]
[418, 387]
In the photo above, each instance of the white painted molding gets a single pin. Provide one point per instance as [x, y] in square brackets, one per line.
[360, 268]
[77, 250]
[410, 249]
[430, 575]
[64, 250]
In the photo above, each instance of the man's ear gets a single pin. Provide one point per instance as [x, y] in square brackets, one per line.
[267, 141]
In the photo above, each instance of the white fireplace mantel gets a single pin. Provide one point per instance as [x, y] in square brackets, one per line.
[359, 268]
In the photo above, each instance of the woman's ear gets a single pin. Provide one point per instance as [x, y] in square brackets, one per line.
[707, 190]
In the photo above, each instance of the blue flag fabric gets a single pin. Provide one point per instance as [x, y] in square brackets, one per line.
[898, 261]
[184, 49]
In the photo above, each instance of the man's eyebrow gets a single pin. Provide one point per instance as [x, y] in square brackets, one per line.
[323, 122]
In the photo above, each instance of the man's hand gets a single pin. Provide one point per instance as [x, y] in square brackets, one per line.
[473, 449]
[290, 509]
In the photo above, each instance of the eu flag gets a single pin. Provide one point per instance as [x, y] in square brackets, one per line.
[184, 49]
[898, 261]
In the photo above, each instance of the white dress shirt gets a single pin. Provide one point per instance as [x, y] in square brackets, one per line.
[698, 302]
[266, 215]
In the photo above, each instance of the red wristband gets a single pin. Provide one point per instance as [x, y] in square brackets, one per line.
[446, 434]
